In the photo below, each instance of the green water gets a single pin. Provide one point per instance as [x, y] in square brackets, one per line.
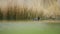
[29, 28]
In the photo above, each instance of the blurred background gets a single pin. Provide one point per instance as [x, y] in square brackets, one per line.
[29, 16]
[29, 9]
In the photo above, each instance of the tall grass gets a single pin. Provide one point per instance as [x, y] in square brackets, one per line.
[27, 9]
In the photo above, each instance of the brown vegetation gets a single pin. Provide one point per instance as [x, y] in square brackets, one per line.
[27, 9]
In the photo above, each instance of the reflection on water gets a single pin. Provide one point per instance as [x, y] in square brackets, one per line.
[29, 28]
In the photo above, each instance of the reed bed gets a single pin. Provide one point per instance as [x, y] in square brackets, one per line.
[28, 9]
